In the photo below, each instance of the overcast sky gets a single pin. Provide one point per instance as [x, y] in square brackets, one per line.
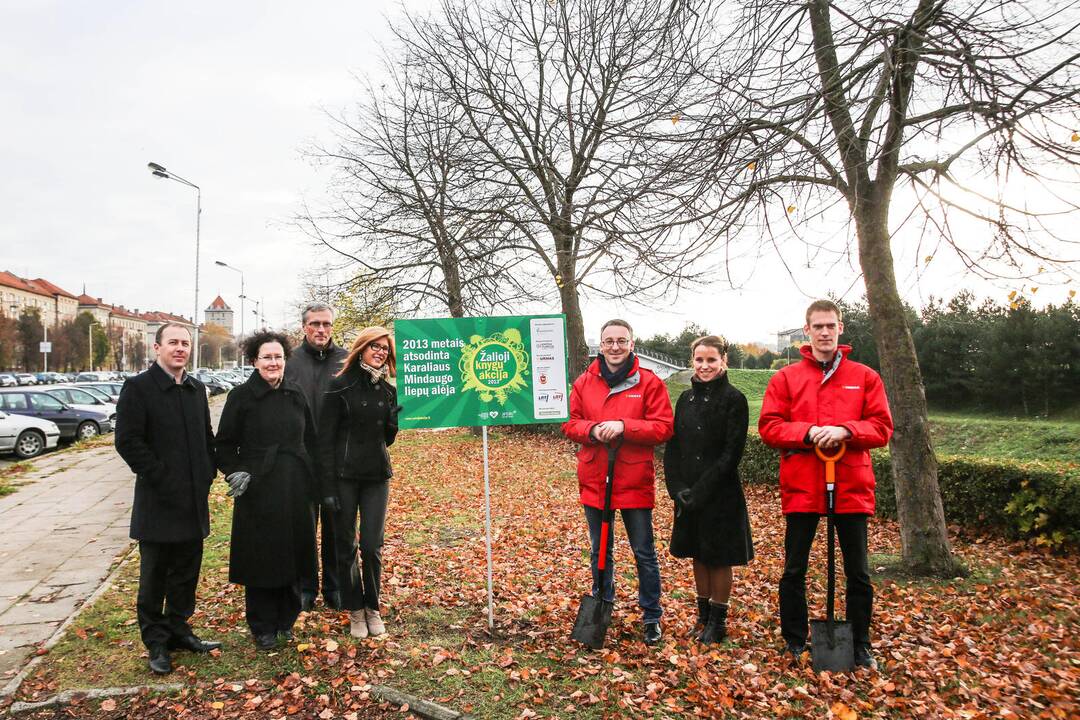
[227, 95]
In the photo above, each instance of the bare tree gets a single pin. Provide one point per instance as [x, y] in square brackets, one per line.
[395, 221]
[573, 111]
[920, 117]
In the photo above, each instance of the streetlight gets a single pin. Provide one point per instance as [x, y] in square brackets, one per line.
[227, 265]
[161, 172]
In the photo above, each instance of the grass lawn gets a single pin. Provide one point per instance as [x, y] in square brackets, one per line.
[1002, 642]
[953, 433]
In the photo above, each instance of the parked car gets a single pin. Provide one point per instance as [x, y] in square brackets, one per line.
[109, 389]
[26, 379]
[27, 436]
[93, 376]
[50, 378]
[213, 384]
[8, 380]
[80, 399]
[74, 424]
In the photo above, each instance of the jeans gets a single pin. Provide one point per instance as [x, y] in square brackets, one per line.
[798, 537]
[639, 531]
[168, 574]
[360, 581]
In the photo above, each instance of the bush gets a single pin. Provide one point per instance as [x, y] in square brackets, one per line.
[1032, 500]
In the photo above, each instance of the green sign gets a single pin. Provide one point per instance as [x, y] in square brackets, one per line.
[461, 372]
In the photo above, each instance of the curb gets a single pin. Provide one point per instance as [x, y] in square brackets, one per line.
[93, 694]
[13, 685]
[418, 706]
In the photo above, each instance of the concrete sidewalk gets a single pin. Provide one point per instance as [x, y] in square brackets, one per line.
[59, 537]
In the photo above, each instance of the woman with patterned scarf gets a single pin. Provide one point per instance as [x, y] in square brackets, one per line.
[359, 420]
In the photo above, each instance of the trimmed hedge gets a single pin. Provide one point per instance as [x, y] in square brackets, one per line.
[1032, 500]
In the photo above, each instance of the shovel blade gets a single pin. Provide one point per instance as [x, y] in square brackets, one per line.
[838, 656]
[593, 619]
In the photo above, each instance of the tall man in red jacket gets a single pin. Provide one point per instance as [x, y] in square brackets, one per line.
[823, 400]
[615, 400]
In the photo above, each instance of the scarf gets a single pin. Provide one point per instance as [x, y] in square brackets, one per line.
[376, 374]
[614, 378]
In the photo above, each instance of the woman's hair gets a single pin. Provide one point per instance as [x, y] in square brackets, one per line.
[717, 342]
[367, 336]
[254, 342]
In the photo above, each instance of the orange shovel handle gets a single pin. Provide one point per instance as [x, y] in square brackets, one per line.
[835, 456]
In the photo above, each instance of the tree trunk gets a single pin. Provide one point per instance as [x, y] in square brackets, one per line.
[578, 349]
[924, 539]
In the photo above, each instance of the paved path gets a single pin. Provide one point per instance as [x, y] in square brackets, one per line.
[59, 536]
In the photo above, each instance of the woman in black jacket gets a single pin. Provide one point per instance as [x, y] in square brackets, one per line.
[264, 446]
[358, 422]
[701, 469]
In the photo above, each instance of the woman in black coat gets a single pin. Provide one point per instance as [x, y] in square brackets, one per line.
[357, 423]
[264, 446]
[701, 469]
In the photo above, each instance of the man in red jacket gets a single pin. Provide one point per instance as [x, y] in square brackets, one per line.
[617, 401]
[823, 400]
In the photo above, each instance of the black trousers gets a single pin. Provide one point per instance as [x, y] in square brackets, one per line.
[360, 581]
[309, 584]
[168, 574]
[271, 610]
[798, 537]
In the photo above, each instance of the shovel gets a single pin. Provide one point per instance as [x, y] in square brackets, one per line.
[594, 613]
[832, 646]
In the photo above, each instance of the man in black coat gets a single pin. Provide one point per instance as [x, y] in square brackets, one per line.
[311, 366]
[166, 439]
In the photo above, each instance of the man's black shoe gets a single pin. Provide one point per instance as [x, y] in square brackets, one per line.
[160, 663]
[652, 633]
[307, 601]
[285, 635]
[332, 598]
[795, 652]
[193, 643]
[267, 641]
[864, 658]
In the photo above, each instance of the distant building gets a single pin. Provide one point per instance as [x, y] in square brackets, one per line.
[220, 314]
[53, 303]
[787, 338]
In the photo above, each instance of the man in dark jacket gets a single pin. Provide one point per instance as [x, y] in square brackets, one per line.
[311, 367]
[166, 439]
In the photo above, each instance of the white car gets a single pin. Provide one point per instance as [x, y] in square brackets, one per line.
[80, 399]
[26, 436]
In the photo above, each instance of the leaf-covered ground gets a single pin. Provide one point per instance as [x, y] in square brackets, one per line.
[1001, 643]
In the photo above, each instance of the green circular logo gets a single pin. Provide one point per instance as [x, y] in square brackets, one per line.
[494, 365]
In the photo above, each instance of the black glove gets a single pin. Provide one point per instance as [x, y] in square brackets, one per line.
[238, 483]
[331, 503]
[684, 500]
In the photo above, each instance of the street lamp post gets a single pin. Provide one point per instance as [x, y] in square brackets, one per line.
[242, 296]
[161, 172]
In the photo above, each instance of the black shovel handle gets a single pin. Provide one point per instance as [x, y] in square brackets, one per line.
[606, 517]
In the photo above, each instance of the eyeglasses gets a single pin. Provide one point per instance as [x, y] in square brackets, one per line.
[612, 342]
[377, 348]
[272, 358]
[318, 324]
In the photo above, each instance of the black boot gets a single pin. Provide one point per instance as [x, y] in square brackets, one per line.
[702, 617]
[716, 630]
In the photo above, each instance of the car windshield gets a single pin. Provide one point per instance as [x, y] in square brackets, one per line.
[41, 401]
[100, 394]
